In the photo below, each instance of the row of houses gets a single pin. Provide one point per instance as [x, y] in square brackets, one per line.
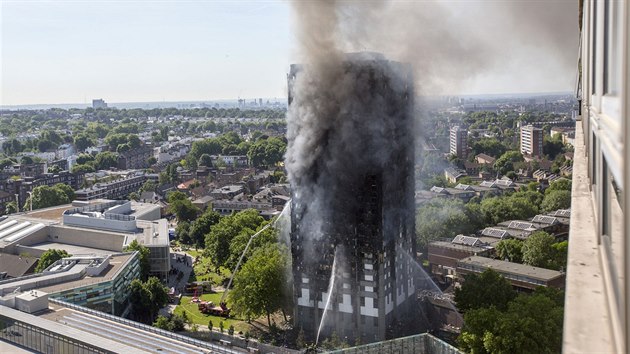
[21, 187]
[465, 192]
[115, 189]
[450, 259]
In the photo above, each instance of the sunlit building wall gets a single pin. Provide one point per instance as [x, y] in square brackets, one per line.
[596, 306]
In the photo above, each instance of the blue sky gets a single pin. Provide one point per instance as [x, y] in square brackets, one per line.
[68, 51]
[131, 51]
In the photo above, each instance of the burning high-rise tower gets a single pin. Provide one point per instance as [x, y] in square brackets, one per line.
[350, 164]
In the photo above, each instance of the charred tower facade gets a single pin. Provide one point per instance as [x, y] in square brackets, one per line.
[352, 214]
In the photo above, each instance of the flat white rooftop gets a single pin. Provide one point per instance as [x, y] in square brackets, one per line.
[71, 249]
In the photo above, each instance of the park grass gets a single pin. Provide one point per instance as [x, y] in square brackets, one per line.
[205, 271]
[193, 313]
[195, 253]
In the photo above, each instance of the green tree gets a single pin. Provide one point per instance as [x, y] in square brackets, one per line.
[97, 130]
[179, 322]
[105, 160]
[205, 160]
[6, 163]
[26, 160]
[510, 250]
[122, 148]
[532, 324]
[113, 140]
[499, 209]
[231, 330]
[184, 210]
[66, 189]
[148, 186]
[476, 323]
[207, 146]
[534, 197]
[557, 199]
[239, 242]
[159, 293]
[143, 257]
[561, 184]
[445, 218]
[84, 158]
[266, 152]
[258, 285]
[163, 323]
[488, 146]
[538, 250]
[49, 257]
[82, 169]
[147, 298]
[300, 341]
[553, 146]
[45, 196]
[221, 326]
[11, 208]
[183, 232]
[220, 237]
[334, 342]
[210, 325]
[506, 162]
[174, 196]
[140, 300]
[83, 141]
[201, 226]
[45, 145]
[54, 169]
[560, 249]
[488, 289]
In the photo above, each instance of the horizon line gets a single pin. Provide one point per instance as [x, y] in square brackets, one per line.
[235, 100]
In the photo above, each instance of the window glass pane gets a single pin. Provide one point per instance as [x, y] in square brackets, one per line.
[615, 230]
[593, 45]
[612, 70]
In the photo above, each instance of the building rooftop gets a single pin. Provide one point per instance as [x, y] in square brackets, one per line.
[16, 266]
[53, 213]
[232, 188]
[466, 240]
[67, 331]
[116, 263]
[69, 276]
[545, 219]
[203, 200]
[494, 232]
[521, 225]
[455, 246]
[152, 233]
[488, 158]
[13, 230]
[70, 248]
[566, 213]
[511, 268]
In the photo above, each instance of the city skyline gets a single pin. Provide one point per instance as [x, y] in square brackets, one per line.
[151, 51]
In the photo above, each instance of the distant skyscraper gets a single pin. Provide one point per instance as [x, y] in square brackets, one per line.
[531, 141]
[459, 142]
[99, 103]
